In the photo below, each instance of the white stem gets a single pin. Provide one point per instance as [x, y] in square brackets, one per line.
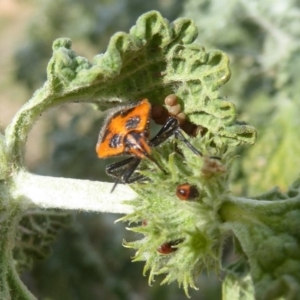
[66, 193]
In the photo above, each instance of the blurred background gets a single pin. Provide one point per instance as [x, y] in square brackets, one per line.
[87, 259]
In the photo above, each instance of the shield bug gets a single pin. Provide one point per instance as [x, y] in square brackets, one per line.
[126, 131]
[187, 192]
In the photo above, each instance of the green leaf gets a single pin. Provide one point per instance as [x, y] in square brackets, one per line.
[155, 59]
[36, 232]
[268, 233]
[237, 285]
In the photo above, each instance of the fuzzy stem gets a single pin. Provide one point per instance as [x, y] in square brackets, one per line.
[243, 209]
[11, 287]
[17, 132]
[18, 289]
[66, 193]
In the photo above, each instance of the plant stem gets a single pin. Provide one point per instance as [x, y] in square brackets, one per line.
[243, 209]
[67, 193]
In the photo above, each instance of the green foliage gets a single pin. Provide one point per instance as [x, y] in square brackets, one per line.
[155, 59]
[238, 283]
[89, 23]
[274, 257]
[162, 217]
[262, 41]
[36, 233]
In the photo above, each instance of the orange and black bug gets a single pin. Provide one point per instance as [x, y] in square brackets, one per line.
[187, 192]
[126, 131]
[169, 247]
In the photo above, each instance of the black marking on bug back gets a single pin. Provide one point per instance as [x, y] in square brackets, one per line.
[106, 133]
[133, 122]
[115, 141]
[125, 113]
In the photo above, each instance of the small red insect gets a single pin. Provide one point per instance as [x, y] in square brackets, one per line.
[187, 192]
[169, 247]
[126, 131]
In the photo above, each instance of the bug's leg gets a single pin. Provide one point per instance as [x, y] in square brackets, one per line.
[172, 127]
[165, 132]
[116, 169]
[127, 177]
[180, 136]
[114, 186]
[122, 171]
